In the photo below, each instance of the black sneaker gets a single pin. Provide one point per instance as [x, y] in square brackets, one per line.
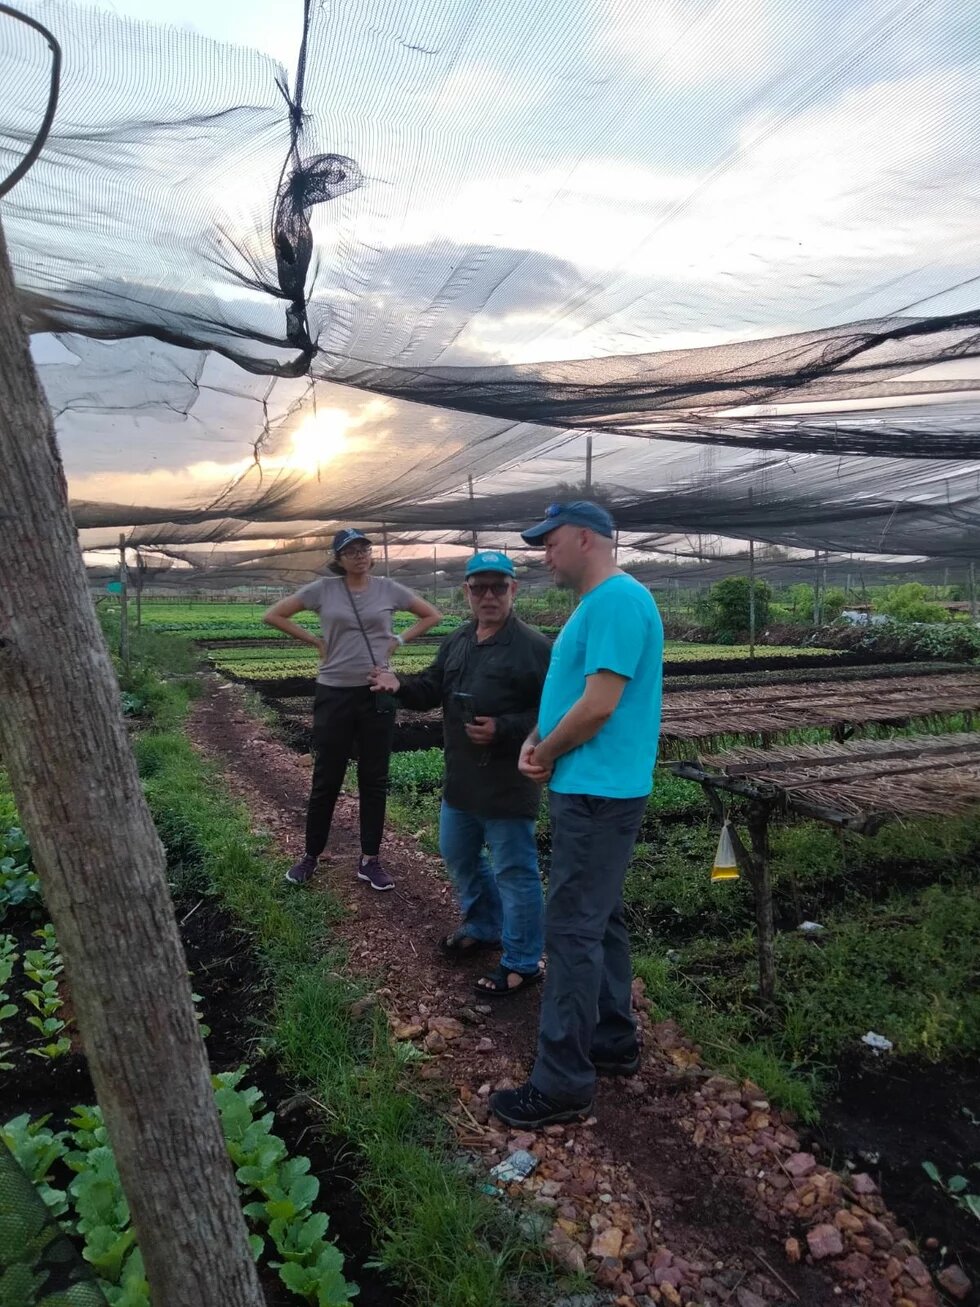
[625, 1064]
[371, 870]
[528, 1108]
[300, 872]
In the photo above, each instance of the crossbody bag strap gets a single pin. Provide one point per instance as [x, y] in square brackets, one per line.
[360, 626]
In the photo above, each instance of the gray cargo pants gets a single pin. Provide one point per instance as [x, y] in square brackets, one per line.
[587, 1004]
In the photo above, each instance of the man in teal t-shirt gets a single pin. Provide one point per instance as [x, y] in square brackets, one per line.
[595, 745]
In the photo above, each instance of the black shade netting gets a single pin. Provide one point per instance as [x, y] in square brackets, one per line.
[39, 1266]
[736, 247]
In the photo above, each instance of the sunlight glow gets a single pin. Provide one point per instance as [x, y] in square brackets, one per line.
[319, 440]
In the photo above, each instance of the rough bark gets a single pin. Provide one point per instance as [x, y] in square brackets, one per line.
[102, 868]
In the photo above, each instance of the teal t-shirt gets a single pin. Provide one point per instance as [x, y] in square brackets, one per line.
[615, 628]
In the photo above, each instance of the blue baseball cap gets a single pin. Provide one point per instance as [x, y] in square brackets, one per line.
[580, 512]
[347, 536]
[489, 560]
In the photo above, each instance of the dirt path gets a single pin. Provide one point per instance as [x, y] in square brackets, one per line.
[684, 1188]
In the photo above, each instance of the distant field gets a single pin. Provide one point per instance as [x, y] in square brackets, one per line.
[224, 621]
[263, 664]
[279, 656]
[679, 651]
[274, 661]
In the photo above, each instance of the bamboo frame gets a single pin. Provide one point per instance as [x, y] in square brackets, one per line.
[775, 709]
[856, 786]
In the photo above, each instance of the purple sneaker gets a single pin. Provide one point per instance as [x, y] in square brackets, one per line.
[371, 870]
[300, 872]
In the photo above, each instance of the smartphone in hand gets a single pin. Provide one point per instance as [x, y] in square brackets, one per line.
[466, 705]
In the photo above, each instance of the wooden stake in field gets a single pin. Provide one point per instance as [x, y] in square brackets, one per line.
[751, 598]
[102, 868]
[123, 602]
[473, 533]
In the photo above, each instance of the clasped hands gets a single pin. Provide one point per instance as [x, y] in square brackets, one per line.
[534, 763]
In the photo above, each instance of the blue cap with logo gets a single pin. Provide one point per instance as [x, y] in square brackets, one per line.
[580, 512]
[489, 560]
[345, 537]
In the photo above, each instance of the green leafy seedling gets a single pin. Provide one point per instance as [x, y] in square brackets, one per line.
[106, 1249]
[299, 1241]
[323, 1283]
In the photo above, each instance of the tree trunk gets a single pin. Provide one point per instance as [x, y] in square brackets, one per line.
[102, 869]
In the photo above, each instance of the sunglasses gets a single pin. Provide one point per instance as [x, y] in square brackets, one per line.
[497, 588]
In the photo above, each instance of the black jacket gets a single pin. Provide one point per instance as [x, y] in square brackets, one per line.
[505, 675]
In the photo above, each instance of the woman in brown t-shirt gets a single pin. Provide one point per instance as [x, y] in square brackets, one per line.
[355, 610]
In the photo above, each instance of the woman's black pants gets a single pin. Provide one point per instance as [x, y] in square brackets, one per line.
[346, 724]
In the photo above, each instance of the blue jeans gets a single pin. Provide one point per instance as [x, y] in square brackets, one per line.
[500, 897]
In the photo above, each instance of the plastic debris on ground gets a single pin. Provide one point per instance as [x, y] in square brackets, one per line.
[514, 1169]
[877, 1042]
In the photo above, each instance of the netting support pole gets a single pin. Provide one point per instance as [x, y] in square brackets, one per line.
[140, 569]
[384, 543]
[616, 549]
[751, 598]
[973, 591]
[816, 587]
[476, 545]
[123, 603]
[588, 465]
[435, 577]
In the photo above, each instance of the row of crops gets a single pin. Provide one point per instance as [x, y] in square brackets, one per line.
[282, 658]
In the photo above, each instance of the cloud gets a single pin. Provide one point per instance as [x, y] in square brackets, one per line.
[685, 44]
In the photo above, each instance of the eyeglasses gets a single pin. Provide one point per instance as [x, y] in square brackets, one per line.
[479, 588]
[355, 551]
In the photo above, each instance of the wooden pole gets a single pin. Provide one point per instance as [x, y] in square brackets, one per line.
[751, 599]
[588, 465]
[823, 585]
[816, 587]
[384, 543]
[435, 576]
[973, 591]
[123, 602]
[754, 865]
[140, 570]
[476, 543]
[758, 820]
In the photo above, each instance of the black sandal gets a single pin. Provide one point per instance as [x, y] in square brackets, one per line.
[452, 946]
[499, 986]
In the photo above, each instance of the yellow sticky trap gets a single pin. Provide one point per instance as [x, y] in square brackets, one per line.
[724, 867]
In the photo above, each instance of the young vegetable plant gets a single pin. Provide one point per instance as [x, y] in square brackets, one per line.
[37, 1149]
[956, 1187]
[310, 1265]
[102, 1213]
[8, 957]
[18, 881]
[43, 967]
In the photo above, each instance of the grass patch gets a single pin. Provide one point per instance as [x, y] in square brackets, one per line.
[899, 954]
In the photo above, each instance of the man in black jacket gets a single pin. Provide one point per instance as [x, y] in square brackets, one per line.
[488, 677]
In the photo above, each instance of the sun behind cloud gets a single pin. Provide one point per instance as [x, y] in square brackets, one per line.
[319, 439]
